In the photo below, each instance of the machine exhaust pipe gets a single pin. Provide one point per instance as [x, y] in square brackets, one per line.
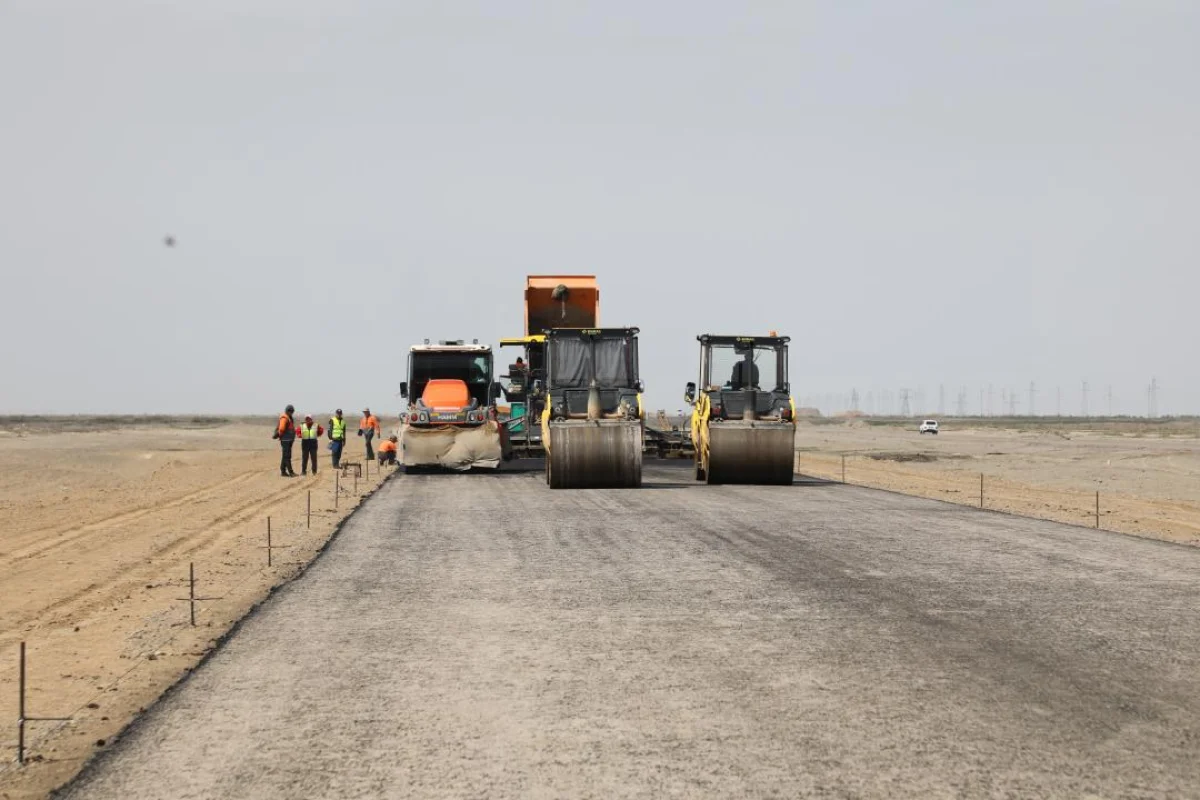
[751, 412]
[593, 405]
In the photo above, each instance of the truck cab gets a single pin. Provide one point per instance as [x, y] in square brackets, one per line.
[449, 383]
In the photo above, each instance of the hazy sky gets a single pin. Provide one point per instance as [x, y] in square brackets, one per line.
[918, 193]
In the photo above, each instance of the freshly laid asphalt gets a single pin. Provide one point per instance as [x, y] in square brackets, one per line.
[484, 636]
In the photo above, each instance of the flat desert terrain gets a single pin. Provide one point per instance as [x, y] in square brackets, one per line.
[99, 521]
[1147, 474]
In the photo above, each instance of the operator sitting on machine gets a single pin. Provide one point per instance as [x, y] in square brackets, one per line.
[742, 371]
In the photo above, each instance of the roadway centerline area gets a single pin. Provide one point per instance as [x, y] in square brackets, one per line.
[482, 635]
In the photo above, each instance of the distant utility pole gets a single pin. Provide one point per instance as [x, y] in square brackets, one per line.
[941, 399]
[1152, 398]
[854, 399]
[1110, 400]
[1012, 404]
[1058, 401]
[962, 402]
[904, 409]
[989, 410]
[1032, 395]
[1083, 406]
[981, 409]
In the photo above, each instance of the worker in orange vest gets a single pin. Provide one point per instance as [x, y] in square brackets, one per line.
[285, 432]
[387, 451]
[310, 436]
[368, 428]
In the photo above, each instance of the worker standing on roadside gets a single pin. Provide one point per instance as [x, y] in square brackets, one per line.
[337, 437]
[310, 437]
[369, 429]
[285, 432]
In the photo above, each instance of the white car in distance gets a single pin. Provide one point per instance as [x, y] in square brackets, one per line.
[929, 426]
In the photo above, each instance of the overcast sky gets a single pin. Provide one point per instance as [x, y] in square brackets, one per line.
[918, 193]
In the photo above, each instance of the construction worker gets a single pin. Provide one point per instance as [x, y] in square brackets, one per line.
[285, 432]
[387, 451]
[369, 429]
[310, 437]
[337, 437]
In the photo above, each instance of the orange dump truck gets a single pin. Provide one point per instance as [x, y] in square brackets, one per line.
[450, 422]
[551, 301]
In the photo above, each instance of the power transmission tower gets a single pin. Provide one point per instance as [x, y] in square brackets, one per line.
[1110, 400]
[989, 408]
[981, 402]
[941, 399]
[1058, 401]
[1032, 396]
[854, 399]
[1012, 404]
[1152, 398]
[904, 409]
[1083, 406]
[962, 402]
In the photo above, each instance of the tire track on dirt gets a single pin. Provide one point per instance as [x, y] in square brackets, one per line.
[79, 604]
[107, 523]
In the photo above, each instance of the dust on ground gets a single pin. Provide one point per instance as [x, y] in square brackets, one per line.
[1148, 475]
[99, 519]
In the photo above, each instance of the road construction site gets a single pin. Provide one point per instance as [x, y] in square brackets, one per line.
[482, 636]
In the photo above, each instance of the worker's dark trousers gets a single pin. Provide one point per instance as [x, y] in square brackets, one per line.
[335, 450]
[285, 460]
[368, 436]
[308, 451]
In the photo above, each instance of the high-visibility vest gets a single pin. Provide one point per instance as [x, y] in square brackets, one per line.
[337, 428]
[309, 433]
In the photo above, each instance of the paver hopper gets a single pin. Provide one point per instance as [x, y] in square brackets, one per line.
[451, 418]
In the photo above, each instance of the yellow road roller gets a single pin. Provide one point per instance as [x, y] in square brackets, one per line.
[592, 421]
[743, 415]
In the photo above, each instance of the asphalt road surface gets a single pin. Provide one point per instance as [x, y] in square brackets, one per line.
[482, 636]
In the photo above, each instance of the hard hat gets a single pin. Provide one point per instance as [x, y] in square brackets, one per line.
[290, 408]
[308, 416]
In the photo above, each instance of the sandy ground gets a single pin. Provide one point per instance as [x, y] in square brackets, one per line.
[1149, 484]
[486, 637]
[98, 523]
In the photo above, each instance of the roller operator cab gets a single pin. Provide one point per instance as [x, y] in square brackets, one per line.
[592, 414]
[450, 421]
[743, 416]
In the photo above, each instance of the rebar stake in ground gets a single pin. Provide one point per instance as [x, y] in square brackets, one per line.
[192, 598]
[21, 717]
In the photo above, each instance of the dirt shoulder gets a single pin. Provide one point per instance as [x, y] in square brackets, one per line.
[100, 519]
[1149, 483]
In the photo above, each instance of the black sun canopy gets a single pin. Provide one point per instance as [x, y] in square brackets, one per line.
[577, 356]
